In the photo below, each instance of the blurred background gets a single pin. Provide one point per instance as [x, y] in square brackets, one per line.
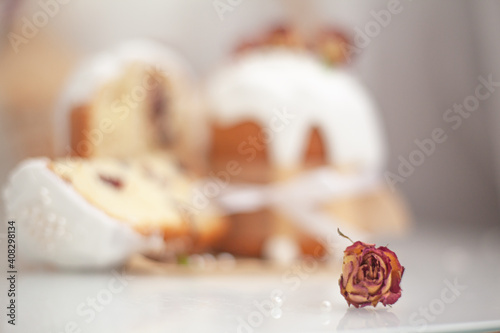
[417, 58]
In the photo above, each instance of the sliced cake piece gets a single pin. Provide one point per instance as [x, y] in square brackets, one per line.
[97, 213]
[136, 98]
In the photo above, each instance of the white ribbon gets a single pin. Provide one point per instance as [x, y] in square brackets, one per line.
[301, 197]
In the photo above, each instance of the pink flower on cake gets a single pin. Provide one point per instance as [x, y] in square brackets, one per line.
[370, 275]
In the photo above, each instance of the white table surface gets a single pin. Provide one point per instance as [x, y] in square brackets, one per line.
[310, 301]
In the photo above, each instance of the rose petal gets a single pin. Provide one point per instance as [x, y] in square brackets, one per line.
[393, 258]
[357, 248]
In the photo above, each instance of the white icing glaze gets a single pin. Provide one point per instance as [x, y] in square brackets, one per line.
[100, 69]
[58, 226]
[257, 85]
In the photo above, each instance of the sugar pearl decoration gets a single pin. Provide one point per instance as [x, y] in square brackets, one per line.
[276, 313]
[326, 306]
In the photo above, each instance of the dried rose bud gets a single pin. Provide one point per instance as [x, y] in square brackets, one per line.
[280, 36]
[284, 36]
[370, 275]
[334, 47]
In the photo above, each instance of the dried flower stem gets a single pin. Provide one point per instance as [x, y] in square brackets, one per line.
[342, 235]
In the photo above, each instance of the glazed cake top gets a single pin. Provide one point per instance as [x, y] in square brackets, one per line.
[264, 84]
